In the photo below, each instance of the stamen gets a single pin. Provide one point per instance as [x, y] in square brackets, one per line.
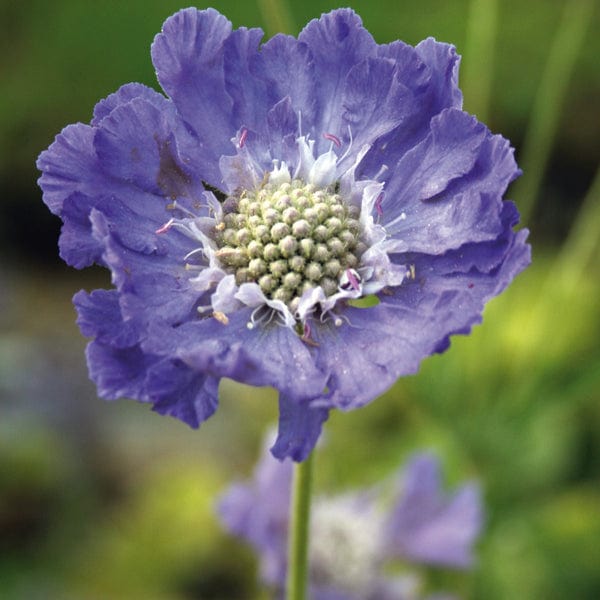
[221, 317]
[380, 173]
[378, 204]
[341, 158]
[306, 336]
[164, 228]
[243, 137]
[353, 278]
[193, 252]
[332, 138]
[175, 206]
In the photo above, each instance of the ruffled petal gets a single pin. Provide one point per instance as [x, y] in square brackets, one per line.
[446, 191]
[125, 94]
[249, 91]
[77, 246]
[99, 316]
[374, 346]
[288, 66]
[262, 356]
[181, 392]
[446, 295]
[430, 74]
[147, 269]
[69, 165]
[118, 372]
[146, 144]
[442, 62]
[381, 95]
[299, 429]
[359, 357]
[188, 56]
[337, 41]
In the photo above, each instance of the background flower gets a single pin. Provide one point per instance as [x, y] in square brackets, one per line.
[356, 537]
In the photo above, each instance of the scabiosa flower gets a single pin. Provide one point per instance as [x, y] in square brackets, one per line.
[356, 537]
[243, 217]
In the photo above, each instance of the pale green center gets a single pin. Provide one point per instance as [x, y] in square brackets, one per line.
[288, 239]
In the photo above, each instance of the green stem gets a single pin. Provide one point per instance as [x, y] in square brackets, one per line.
[276, 16]
[581, 246]
[549, 100]
[297, 577]
[478, 65]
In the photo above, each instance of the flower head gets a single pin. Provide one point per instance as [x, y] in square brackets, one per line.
[357, 536]
[244, 215]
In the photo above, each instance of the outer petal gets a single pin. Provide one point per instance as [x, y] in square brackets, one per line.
[428, 526]
[77, 246]
[447, 190]
[379, 344]
[358, 357]
[120, 368]
[188, 57]
[118, 372]
[288, 66]
[381, 95]
[146, 143]
[250, 93]
[69, 165]
[430, 73]
[262, 356]
[337, 41]
[125, 94]
[148, 270]
[181, 392]
[299, 429]
[99, 316]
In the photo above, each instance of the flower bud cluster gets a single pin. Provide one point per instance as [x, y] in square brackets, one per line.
[289, 238]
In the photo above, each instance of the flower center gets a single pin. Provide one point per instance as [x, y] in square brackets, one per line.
[290, 238]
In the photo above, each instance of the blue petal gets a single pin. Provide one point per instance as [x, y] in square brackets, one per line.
[118, 372]
[77, 246]
[273, 355]
[430, 74]
[288, 67]
[250, 93]
[99, 316]
[188, 57]
[337, 41]
[125, 94]
[299, 429]
[376, 345]
[447, 190]
[148, 270]
[381, 95]
[146, 144]
[69, 165]
[181, 392]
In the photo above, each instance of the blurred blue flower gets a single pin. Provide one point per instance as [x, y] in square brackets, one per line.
[244, 215]
[356, 537]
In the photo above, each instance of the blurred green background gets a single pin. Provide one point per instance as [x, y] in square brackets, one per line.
[109, 500]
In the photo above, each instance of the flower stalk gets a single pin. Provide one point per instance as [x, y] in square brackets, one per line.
[297, 575]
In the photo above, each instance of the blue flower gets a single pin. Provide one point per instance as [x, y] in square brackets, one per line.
[356, 537]
[244, 216]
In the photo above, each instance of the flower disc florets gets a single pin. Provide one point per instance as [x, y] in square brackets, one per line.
[289, 238]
